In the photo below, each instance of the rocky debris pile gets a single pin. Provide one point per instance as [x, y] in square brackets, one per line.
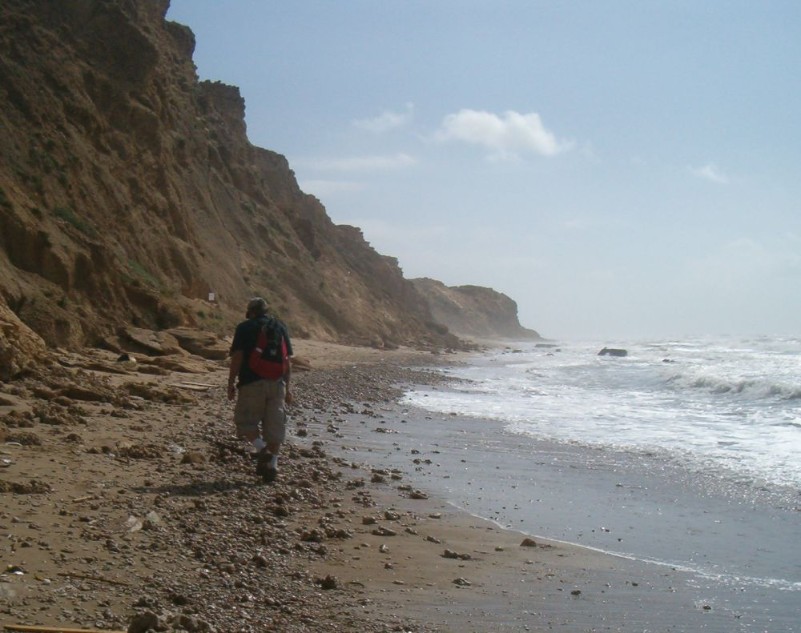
[20, 347]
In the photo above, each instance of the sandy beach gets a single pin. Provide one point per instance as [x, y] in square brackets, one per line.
[128, 505]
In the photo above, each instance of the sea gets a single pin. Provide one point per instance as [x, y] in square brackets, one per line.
[723, 406]
[684, 454]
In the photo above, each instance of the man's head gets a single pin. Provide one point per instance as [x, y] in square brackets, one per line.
[256, 307]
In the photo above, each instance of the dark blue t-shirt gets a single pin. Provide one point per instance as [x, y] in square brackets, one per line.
[245, 337]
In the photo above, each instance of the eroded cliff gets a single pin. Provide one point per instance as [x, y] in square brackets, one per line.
[129, 192]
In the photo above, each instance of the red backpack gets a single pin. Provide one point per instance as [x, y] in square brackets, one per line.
[270, 359]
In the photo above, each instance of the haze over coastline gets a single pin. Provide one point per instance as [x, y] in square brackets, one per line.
[619, 169]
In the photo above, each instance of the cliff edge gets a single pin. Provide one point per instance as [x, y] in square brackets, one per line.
[473, 311]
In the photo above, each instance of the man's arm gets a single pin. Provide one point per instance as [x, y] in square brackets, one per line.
[287, 376]
[288, 370]
[233, 372]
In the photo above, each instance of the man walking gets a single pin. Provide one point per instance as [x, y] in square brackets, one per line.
[260, 361]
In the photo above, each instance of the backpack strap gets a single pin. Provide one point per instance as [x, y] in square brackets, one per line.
[261, 339]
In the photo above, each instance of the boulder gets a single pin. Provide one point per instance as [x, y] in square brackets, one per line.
[613, 351]
[20, 347]
[151, 342]
[201, 343]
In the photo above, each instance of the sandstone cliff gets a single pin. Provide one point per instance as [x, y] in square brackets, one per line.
[132, 202]
[129, 192]
[473, 311]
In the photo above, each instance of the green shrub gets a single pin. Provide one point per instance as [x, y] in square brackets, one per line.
[142, 274]
[68, 215]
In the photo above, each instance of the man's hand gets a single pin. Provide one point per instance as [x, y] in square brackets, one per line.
[288, 397]
[233, 372]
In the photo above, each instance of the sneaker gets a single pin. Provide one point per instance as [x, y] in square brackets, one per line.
[264, 467]
[270, 474]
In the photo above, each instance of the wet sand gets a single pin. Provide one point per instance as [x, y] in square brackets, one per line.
[139, 509]
[705, 553]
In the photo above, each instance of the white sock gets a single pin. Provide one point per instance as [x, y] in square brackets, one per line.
[258, 444]
[274, 462]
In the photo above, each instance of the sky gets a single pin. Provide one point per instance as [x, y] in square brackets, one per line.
[622, 169]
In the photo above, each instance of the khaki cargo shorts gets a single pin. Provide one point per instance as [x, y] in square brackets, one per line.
[260, 404]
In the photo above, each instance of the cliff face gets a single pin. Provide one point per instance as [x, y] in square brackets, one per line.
[473, 311]
[129, 192]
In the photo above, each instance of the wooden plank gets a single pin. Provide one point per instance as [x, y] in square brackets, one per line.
[192, 386]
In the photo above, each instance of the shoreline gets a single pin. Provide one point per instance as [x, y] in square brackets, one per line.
[650, 499]
[148, 512]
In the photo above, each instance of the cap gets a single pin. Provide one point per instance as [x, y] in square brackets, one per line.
[257, 305]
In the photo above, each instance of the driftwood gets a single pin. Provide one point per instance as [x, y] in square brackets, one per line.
[193, 386]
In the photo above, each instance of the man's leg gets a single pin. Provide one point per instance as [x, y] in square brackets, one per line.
[248, 413]
[273, 428]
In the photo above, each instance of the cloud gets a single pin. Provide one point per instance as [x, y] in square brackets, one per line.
[577, 224]
[505, 135]
[386, 121]
[711, 173]
[746, 262]
[360, 163]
